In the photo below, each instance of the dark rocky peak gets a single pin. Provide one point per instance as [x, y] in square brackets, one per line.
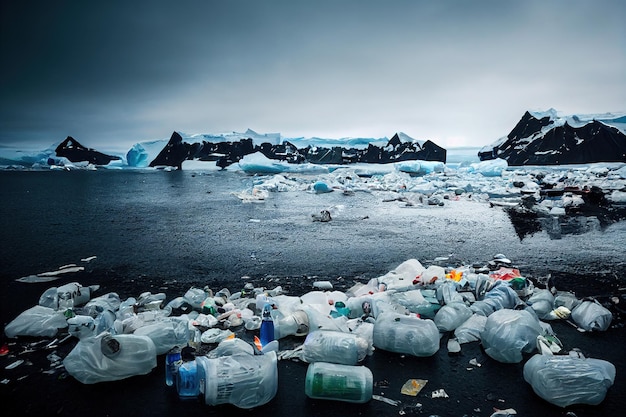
[71, 149]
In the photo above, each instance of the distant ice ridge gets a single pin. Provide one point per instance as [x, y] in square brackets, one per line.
[617, 120]
[257, 163]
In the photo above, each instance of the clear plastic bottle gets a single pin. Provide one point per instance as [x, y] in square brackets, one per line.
[330, 381]
[335, 347]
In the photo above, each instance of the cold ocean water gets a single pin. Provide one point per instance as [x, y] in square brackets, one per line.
[164, 231]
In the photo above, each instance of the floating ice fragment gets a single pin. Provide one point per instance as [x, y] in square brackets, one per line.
[323, 285]
[474, 362]
[89, 259]
[63, 270]
[34, 279]
[504, 413]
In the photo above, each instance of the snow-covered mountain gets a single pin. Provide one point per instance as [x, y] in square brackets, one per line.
[549, 138]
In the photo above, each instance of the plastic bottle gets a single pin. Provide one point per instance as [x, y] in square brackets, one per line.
[333, 346]
[243, 380]
[267, 325]
[329, 381]
[187, 375]
[173, 361]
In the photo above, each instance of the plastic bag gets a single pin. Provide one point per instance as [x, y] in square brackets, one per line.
[72, 294]
[508, 333]
[334, 347]
[412, 300]
[166, 333]
[36, 321]
[566, 299]
[471, 329]
[110, 358]
[591, 316]
[451, 316]
[500, 296]
[406, 334]
[565, 380]
[542, 301]
[243, 380]
[110, 301]
[232, 346]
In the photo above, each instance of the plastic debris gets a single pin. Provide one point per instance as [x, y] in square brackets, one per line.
[509, 333]
[453, 346]
[386, 400]
[440, 393]
[386, 312]
[591, 316]
[413, 387]
[564, 380]
[474, 362]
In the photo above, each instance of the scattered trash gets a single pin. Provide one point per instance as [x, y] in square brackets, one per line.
[475, 363]
[440, 393]
[323, 217]
[407, 311]
[386, 400]
[413, 386]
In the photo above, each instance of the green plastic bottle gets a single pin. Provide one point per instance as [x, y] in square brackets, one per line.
[331, 381]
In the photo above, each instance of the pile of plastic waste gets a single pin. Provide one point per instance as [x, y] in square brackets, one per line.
[223, 347]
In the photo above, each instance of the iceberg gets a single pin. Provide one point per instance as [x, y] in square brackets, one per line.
[490, 168]
[257, 163]
[141, 154]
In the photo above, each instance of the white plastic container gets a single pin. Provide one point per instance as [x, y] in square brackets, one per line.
[330, 381]
[406, 334]
[336, 347]
[243, 380]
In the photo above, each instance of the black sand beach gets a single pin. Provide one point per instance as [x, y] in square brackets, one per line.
[168, 231]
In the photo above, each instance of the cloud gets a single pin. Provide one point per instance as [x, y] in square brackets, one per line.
[450, 71]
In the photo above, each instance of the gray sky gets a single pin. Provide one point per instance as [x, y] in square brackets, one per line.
[114, 73]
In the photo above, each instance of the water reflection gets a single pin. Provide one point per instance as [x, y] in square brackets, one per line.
[527, 219]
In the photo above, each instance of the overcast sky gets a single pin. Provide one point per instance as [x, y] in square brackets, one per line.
[113, 73]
